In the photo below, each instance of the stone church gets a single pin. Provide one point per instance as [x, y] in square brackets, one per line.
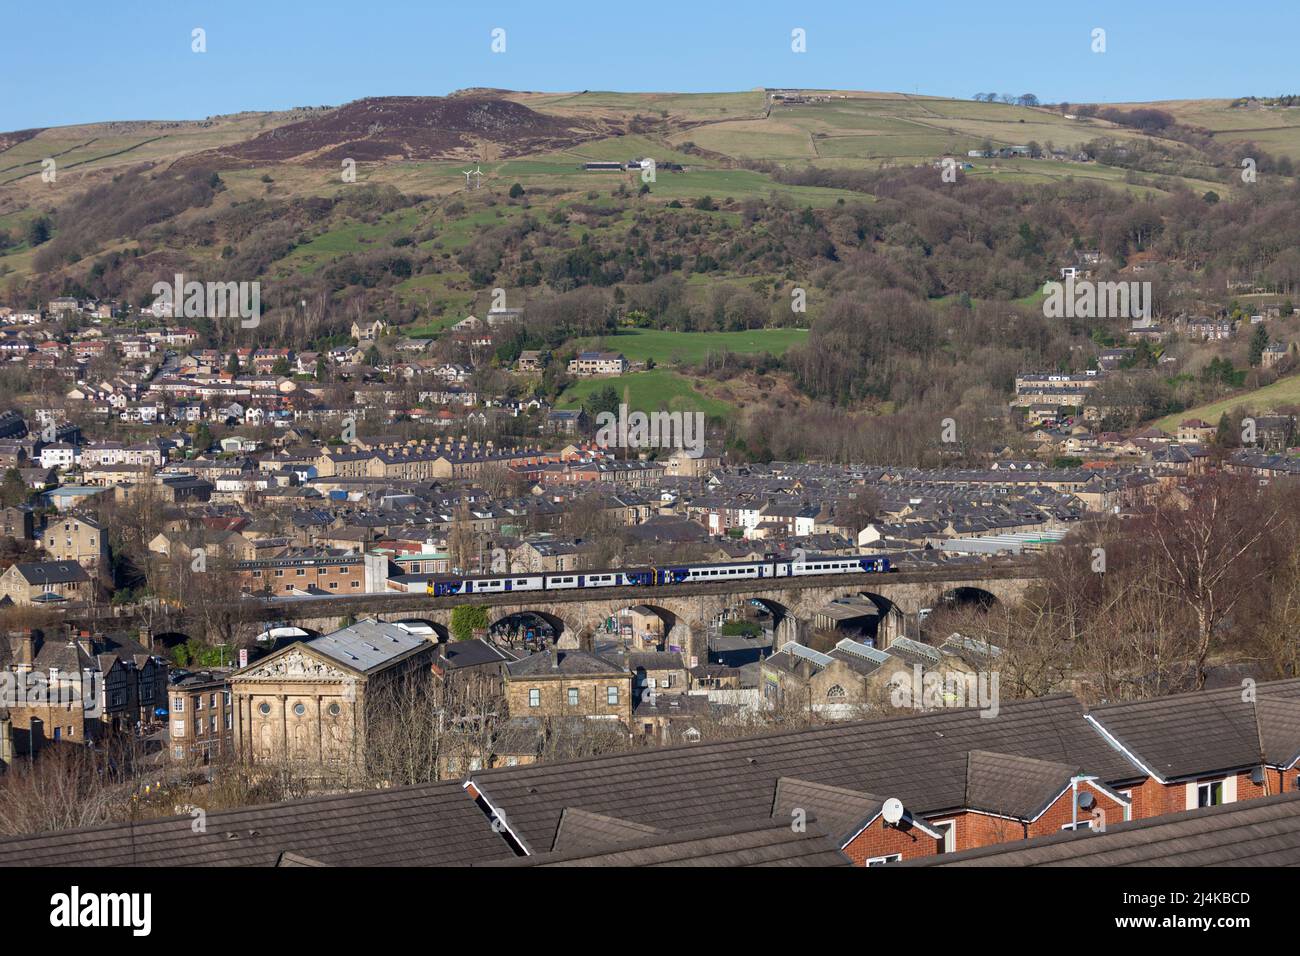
[308, 703]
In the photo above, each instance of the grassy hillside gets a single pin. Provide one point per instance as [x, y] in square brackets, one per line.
[692, 347]
[655, 390]
[712, 134]
[1276, 129]
[1283, 392]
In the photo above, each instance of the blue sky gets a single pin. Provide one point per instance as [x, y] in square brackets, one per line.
[90, 60]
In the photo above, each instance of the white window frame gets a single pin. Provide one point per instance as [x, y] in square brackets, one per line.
[1128, 805]
[886, 859]
[534, 697]
[949, 830]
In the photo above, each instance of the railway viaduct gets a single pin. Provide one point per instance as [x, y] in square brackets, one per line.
[686, 609]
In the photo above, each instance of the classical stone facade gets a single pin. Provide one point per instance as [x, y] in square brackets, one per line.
[308, 703]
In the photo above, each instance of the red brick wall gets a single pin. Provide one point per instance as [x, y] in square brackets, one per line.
[880, 840]
[980, 829]
[1154, 798]
[349, 578]
[1062, 812]
[1149, 799]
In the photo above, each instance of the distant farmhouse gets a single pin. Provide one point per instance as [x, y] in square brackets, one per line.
[589, 364]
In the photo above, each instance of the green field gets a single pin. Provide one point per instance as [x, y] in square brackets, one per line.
[1276, 129]
[890, 127]
[651, 391]
[668, 348]
[1283, 392]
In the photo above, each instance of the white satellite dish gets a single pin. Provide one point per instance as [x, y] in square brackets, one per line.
[892, 810]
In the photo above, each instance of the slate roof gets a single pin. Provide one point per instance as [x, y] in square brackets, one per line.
[1205, 731]
[1261, 832]
[838, 811]
[367, 645]
[655, 660]
[919, 758]
[51, 572]
[1279, 729]
[580, 830]
[570, 662]
[766, 843]
[1017, 787]
[67, 656]
[472, 653]
[428, 825]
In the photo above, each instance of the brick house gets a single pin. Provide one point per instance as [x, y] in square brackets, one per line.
[326, 570]
[202, 717]
[855, 822]
[1206, 748]
[1010, 797]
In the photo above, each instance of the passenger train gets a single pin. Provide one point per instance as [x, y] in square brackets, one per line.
[446, 585]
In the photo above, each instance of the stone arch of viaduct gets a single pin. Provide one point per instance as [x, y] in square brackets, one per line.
[794, 607]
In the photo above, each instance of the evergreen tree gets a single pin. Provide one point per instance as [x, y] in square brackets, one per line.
[1258, 342]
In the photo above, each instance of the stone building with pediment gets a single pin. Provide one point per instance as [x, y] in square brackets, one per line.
[308, 703]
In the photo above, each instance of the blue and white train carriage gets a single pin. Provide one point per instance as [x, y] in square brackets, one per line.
[811, 565]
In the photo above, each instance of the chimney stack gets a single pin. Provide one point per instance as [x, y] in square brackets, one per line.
[29, 643]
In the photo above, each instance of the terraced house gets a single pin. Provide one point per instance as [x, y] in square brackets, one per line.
[589, 364]
[939, 786]
[313, 570]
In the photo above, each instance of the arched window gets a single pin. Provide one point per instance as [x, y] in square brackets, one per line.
[836, 691]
